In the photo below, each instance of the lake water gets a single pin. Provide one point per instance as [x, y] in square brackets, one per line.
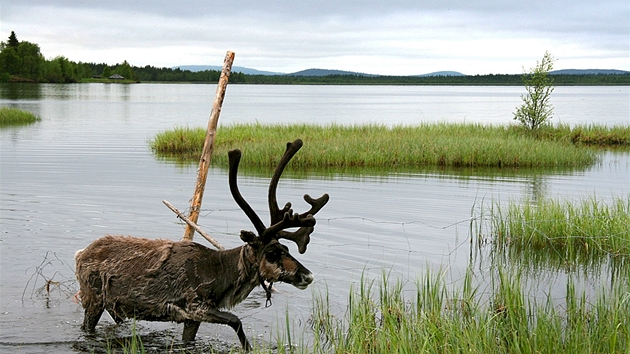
[86, 170]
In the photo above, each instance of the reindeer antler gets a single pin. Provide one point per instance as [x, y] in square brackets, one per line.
[285, 218]
[280, 218]
[274, 211]
[234, 157]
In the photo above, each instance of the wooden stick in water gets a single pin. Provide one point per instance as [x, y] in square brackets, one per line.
[196, 227]
[208, 146]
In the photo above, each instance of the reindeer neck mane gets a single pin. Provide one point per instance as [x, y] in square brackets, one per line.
[247, 265]
[246, 279]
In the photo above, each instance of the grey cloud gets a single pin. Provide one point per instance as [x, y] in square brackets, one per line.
[317, 8]
[599, 16]
[318, 31]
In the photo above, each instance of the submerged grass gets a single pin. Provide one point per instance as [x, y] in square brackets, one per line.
[584, 230]
[436, 144]
[436, 319]
[14, 116]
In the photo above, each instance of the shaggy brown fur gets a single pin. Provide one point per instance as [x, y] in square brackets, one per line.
[163, 280]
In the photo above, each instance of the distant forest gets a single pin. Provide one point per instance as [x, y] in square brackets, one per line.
[466, 80]
[22, 61]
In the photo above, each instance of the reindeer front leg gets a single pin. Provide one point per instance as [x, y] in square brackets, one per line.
[216, 316]
[190, 330]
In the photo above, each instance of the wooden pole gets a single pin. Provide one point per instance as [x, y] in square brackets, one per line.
[181, 215]
[208, 146]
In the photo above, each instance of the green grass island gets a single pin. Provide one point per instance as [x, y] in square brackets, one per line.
[430, 144]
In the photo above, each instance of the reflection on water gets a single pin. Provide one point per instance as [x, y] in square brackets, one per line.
[20, 91]
[535, 180]
[86, 170]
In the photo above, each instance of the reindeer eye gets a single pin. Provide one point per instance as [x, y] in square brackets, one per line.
[273, 254]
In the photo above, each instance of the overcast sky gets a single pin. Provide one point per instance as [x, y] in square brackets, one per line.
[392, 37]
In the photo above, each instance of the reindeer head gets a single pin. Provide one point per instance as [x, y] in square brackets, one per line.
[274, 261]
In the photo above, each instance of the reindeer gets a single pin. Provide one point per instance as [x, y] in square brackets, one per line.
[183, 281]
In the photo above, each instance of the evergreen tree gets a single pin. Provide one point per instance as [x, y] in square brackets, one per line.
[13, 41]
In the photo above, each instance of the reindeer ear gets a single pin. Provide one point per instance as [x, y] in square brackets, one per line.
[250, 237]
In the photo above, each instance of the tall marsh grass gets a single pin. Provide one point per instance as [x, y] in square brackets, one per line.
[572, 230]
[14, 116]
[438, 318]
[181, 141]
[438, 144]
[589, 134]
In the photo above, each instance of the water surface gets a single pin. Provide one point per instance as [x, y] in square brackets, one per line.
[86, 170]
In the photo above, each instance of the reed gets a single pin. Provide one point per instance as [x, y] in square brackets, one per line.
[583, 230]
[14, 116]
[589, 134]
[439, 144]
[380, 319]
[181, 141]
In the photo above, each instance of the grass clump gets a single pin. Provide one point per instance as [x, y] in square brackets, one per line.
[14, 116]
[438, 144]
[586, 135]
[182, 141]
[584, 230]
[435, 319]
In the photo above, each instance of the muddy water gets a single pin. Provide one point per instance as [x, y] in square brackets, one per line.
[85, 170]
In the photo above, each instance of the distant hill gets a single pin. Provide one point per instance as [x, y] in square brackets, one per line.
[236, 69]
[326, 72]
[443, 73]
[589, 72]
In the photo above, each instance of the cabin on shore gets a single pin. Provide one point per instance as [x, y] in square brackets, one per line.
[116, 77]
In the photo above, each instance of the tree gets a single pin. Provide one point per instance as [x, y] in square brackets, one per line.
[53, 72]
[13, 41]
[84, 71]
[9, 61]
[125, 70]
[61, 70]
[536, 109]
[30, 61]
[20, 59]
[107, 72]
